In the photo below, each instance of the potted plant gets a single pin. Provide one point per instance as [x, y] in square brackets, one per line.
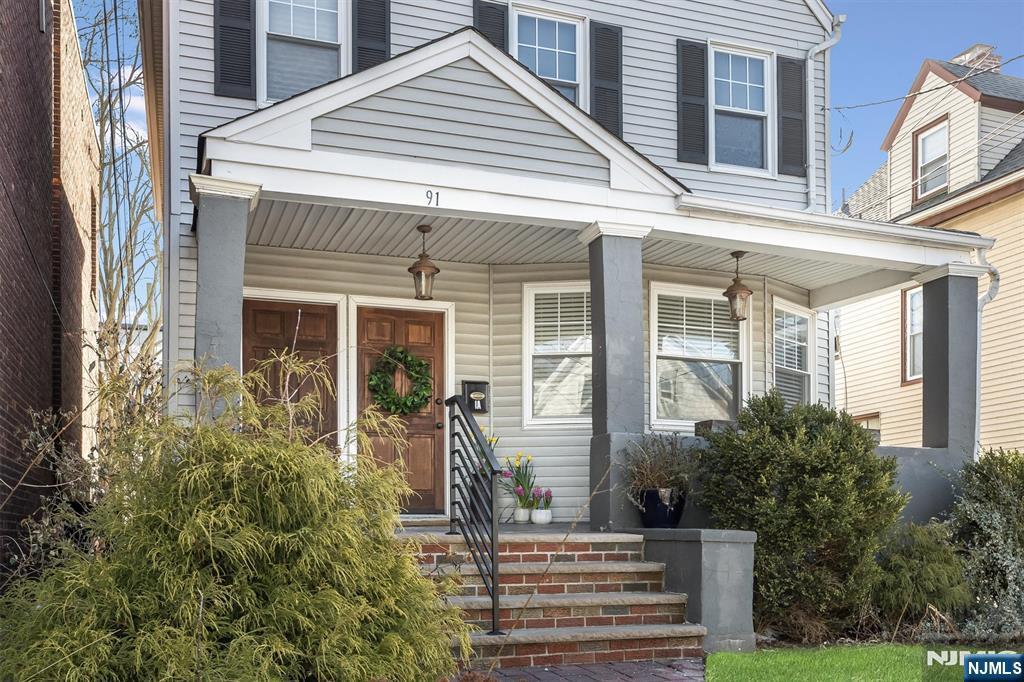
[541, 513]
[658, 473]
[518, 479]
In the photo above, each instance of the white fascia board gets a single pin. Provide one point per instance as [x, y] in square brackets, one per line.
[287, 124]
[821, 13]
[825, 223]
[972, 270]
[400, 185]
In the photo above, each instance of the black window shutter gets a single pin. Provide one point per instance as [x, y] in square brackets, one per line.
[606, 76]
[371, 33]
[234, 48]
[792, 98]
[491, 19]
[691, 101]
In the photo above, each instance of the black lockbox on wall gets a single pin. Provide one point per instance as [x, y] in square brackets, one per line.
[478, 395]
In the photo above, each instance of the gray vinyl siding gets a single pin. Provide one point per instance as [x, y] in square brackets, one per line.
[461, 115]
[650, 29]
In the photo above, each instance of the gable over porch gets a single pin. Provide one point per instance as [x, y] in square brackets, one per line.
[316, 199]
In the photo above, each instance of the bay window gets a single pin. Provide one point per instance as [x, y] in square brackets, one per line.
[740, 98]
[793, 337]
[557, 363]
[697, 354]
[302, 46]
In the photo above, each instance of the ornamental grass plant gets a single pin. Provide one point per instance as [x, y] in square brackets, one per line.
[236, 545]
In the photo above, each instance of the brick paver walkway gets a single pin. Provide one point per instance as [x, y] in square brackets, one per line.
[683, 669]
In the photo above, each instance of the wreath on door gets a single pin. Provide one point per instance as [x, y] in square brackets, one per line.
[381, 381]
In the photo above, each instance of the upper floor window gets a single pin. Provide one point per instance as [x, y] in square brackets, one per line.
[913, 334]
[302, 48]
[551, 47]
[698, 354]
[793, 340]
[740, 96]
[932, 157]
[556, 353]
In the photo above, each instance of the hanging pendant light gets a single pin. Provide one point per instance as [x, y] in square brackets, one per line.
[423, 270]
[738, 293]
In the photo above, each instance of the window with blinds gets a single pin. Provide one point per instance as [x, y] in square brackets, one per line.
[913, 334]
[559, 363]
[792, 333]
[303, 46]
[698, 360]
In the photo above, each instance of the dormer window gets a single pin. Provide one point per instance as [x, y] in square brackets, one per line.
[550, 46]
[931, 165]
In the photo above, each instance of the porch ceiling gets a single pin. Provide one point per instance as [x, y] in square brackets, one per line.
[319, 227]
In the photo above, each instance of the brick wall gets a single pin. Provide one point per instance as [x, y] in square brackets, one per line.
[26, 173]
[45, 169]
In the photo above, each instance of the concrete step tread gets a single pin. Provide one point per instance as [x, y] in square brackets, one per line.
[518, 601]
[589, 634]
[434, 537]
[557, 567]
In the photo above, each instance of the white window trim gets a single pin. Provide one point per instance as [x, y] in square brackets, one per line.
[745, 356]
[921, 134]
[582, 43]
[770, 170]
[812, 342]
[905, 332]
[262, 26]
[530, 290]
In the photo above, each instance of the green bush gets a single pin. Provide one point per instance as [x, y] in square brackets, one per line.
[919, 568]
[808, 481]
[234, 548]
[988, 523]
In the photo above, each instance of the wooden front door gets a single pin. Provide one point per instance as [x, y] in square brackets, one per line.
[422, 334]
[309, 330]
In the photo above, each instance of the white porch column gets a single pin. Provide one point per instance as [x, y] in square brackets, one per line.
[222, 215]
[950, 359]
[616, 290]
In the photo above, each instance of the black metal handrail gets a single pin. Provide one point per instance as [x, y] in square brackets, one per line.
[474, 500]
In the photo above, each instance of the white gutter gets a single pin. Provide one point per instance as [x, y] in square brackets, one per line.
[812, 165]
[993, 291]
[979, 191]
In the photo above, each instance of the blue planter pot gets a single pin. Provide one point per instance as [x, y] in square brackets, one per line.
[662, 513]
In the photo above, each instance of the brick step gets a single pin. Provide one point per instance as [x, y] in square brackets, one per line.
[560, 577]
[599, 644]
[575, 610]
[519, 547]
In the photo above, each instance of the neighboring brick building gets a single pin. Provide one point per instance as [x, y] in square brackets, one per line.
[49, 168]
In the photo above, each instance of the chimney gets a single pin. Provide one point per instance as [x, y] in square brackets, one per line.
[980, 57]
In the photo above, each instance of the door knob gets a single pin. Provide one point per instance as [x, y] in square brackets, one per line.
[439, 425]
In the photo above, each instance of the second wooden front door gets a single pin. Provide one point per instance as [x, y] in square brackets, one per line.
[422, 334]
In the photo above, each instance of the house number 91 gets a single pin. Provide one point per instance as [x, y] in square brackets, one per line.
[433, 197]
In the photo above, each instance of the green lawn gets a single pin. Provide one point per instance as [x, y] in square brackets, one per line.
[866, 663]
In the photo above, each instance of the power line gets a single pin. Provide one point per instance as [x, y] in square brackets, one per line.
[951, 83]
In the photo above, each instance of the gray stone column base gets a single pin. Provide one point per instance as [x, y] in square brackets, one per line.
[715, 569]
[610, 510]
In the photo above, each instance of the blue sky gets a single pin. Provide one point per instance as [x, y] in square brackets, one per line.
[883, 45]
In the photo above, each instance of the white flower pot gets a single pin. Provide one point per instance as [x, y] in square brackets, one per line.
[540, 516]
[521, 515]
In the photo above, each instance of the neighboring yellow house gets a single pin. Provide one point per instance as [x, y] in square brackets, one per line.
[956, 161]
